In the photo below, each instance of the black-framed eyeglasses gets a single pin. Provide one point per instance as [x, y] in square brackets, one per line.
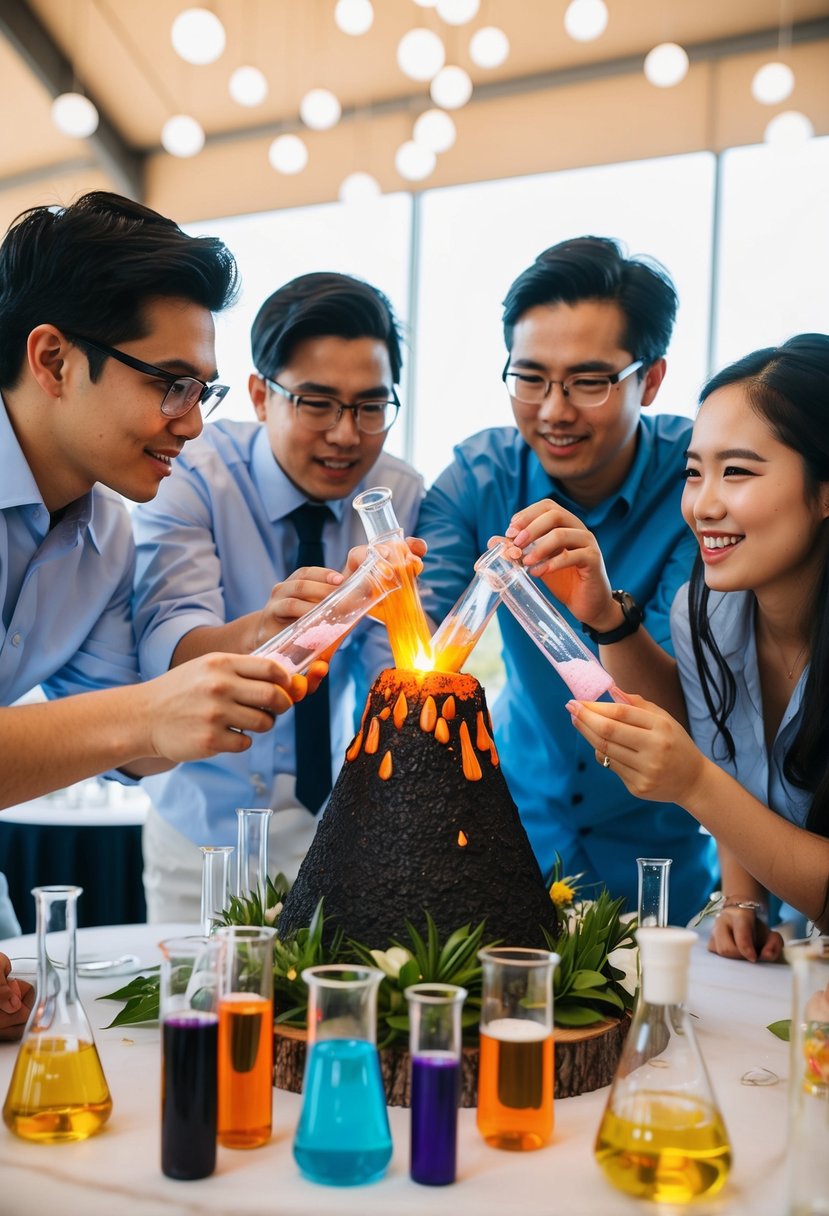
[319, 412]
[582, 389]
[183, 392]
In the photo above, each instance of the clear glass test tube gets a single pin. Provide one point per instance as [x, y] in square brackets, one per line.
[215, 883]
[461, 629]
[808, 1159]
[252, 827]
[578, 667]
[322, 627]
[652, 904]
[435, 1053]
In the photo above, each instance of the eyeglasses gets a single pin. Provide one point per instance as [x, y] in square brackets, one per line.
[183, 392]
[583, 389]
[322, 413]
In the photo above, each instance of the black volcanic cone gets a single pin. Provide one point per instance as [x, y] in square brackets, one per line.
[420, 819]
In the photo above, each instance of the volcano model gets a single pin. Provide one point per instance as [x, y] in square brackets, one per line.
[421, 819]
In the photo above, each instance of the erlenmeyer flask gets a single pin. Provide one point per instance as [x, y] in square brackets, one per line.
[662, 1136]
[58, 1090]
[401, 610]
[343, 1136]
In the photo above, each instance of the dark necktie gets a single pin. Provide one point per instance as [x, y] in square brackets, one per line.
[312, 722]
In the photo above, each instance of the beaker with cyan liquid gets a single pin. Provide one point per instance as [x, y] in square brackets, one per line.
[401, 611]
[343, 1136]
[58, 1090]
[662, 1136]
[324, 626]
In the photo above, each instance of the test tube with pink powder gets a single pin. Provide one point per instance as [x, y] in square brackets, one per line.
[322, 627]
[578, 667]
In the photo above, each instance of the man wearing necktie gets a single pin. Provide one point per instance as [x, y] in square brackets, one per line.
[246, 536]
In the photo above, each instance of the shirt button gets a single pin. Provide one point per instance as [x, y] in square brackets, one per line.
[584, 831]
[36, 513]
[16, 639]
[575, 799]
[581, 767]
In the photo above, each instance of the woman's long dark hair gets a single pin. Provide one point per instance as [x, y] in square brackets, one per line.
[788, 386]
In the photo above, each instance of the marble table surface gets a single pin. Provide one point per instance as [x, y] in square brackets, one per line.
[118, 1170]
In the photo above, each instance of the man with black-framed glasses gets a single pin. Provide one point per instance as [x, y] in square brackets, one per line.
[106, 359]
[243, 537]
[586, 478]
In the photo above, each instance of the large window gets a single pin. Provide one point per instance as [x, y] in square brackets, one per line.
[773, 257]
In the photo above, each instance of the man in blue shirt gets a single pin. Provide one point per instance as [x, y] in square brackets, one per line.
[586, 330]
[217, 548]
[106, 363]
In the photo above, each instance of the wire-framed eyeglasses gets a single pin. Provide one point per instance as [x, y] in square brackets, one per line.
[582, 389]
[322, 413]
[183, 392]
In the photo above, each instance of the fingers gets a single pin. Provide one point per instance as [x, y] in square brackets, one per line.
[733, 935]
[772, 948]
[10, 996]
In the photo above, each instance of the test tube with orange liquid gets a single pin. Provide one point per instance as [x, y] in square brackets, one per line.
[515, 1069]
[401, 611]
[245, 1035]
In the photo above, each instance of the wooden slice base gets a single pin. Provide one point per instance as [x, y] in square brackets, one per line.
[585, 1059]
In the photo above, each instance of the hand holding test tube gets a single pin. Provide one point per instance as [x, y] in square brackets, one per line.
[320, 629]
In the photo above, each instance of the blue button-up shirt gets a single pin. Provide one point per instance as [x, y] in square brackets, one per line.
[759, 771]
[568, 803]
[210, 548]
[64, 592]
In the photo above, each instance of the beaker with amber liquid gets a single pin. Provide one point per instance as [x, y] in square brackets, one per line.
[662, 1136]
[401, 611]
[58, 1090]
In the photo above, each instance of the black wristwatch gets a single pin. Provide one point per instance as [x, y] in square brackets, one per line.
[633, 619]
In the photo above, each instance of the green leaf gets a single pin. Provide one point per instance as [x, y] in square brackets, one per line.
[782, 1029]
[588, 979]
[137, 1011]
[577, 1015]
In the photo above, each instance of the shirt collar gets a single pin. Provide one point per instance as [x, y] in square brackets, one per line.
[625, 496]
[278, 493]
[19, 488]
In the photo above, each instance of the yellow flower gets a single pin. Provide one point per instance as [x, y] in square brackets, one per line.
[561, 894]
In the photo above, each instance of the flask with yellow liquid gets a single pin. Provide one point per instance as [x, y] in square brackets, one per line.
[662, 1136]
[58, 1090]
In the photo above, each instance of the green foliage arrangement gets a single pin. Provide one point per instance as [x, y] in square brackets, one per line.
[591, 981]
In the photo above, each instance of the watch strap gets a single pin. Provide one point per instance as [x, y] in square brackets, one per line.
[632, 614]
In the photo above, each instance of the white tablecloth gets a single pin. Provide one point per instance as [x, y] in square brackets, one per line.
[117, 1172]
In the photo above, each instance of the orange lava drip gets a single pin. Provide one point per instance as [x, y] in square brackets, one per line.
[403, 615]
[386, 769]
[471, 767]
[373, 737]
[442, 731]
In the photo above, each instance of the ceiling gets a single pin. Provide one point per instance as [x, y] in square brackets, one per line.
[554, 103]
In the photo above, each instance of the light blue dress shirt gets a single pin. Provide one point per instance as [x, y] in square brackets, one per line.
[210, 548]
[732, 622]
[568, 803]
[64, 592]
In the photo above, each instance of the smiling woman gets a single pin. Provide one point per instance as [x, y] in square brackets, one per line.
[751, 635]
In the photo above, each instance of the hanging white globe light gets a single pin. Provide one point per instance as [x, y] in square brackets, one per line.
[451, 88]
[181, 135]
[772, 83]
[789, 130]
[666, 65]
[198, 36]
[420, 54]
[585, 20]
[359, 188]
[354, 16]
[288, 154]
[457, 12]
[75, 115]
[414, 162]
[488, 47]
[435, 130]
[320, 109]
[248, 86]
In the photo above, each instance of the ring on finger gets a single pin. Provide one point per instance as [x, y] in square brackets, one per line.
[605, 761]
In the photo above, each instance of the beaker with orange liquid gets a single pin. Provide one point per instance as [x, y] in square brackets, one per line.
[245, 1035]
[58, 1090]
[515, 1069]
